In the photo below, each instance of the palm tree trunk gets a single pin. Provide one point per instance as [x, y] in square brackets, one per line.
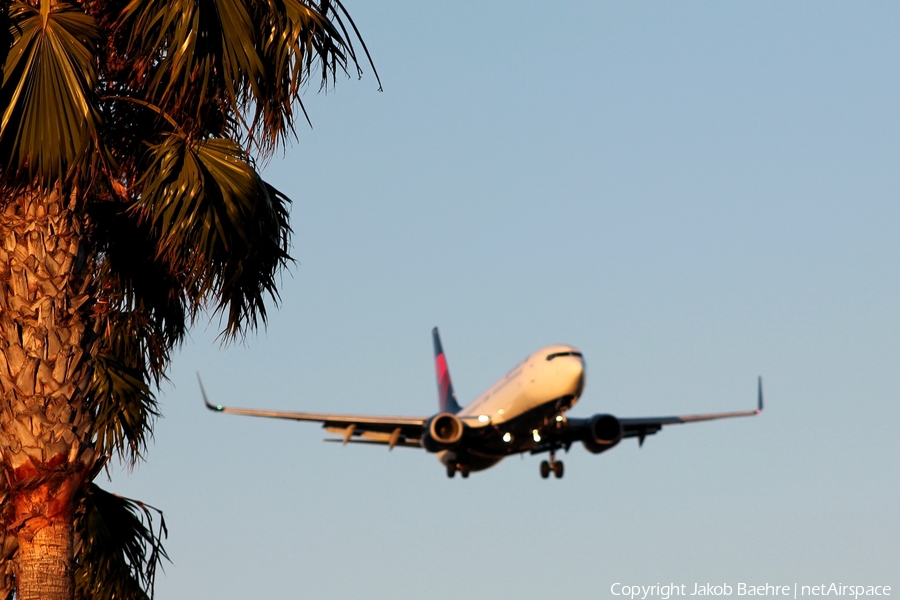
[8, 546]
[45, 568]
[45, 447]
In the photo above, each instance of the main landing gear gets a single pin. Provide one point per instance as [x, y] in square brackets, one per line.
[552, 465]
[453, 467]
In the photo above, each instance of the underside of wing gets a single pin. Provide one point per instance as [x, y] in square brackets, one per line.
[393, 431]
[644, 426]
[602, 431]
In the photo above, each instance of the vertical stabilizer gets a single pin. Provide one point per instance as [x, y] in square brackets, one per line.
[446, 397]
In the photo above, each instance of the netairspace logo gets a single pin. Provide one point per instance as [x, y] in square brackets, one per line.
[667, 591]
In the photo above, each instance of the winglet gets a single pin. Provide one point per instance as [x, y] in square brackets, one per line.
[759, 408]
[217, 408]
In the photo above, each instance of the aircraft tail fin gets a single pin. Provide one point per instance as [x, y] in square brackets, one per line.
[446, 397]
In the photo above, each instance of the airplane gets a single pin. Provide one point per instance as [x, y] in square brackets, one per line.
[525, 411]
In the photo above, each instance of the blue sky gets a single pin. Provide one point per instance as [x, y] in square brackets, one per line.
[693, 194]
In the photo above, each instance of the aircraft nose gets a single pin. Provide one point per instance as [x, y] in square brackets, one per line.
[572, 369]
[558, 375]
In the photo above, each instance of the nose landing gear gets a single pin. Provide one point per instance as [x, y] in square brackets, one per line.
[552, 465]
[453, 467]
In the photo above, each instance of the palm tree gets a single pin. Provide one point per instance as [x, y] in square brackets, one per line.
[130, 204]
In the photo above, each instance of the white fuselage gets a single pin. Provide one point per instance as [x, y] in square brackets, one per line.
[534, 383]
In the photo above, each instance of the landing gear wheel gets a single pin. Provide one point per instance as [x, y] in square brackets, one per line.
[451, 470]
[558, 469]
[464, 471]
[545, 469]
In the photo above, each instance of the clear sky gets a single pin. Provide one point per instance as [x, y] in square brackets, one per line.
[693, 194]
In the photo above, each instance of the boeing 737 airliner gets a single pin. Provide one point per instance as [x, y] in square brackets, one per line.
[526, 411]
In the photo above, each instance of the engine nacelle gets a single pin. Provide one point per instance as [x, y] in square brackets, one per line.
[442, 432]
[604, 432]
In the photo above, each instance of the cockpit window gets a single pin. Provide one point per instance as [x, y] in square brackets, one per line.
[555, 354]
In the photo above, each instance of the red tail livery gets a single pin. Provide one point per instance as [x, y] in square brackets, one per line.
[446, 397]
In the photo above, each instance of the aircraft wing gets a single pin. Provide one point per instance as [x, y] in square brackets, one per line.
[644, 426]
[391, 431]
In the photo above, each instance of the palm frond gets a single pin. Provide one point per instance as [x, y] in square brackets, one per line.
[6, 37]
[190, 51]
[218, 221]
[295, 38]
[118, 547]
[215, 62]
[133, 281]
[49, 115]
[122, 404]
[141, 314]
[245, 284]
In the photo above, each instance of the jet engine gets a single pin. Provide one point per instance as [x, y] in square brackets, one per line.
[604, 432]
[442, 432]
